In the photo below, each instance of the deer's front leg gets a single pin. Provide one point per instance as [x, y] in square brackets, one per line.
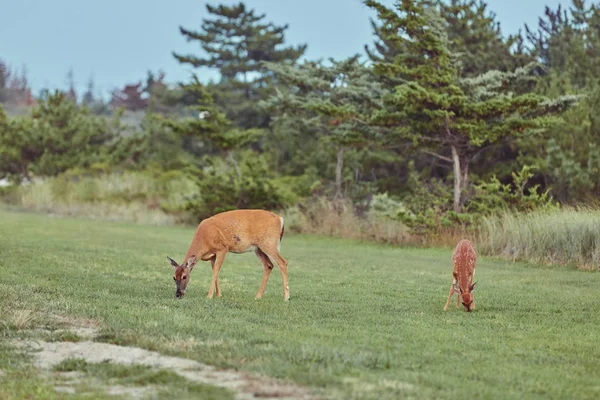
[449, 296]
[216, 267]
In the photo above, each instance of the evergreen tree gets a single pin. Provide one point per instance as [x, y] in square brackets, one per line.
[335, 100]
[236, 41]
[71, 91]
[210, 127]
[446, 115]
[88, 95]
[131, 97]
[56, 136]
[4, 79]
[472, 32]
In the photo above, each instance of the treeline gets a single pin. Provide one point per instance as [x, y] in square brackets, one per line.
[444, 120]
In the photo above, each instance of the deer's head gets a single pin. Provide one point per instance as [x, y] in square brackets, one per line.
[466, 296]
[182, 274]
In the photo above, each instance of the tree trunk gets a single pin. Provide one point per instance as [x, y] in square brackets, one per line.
[339, 169]
[461, 171]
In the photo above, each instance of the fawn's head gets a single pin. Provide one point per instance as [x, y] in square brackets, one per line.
[182, 274]
[466, 297]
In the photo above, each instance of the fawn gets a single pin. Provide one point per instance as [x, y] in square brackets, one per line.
[463, 261]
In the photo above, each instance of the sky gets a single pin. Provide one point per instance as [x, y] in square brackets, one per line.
[118, 41]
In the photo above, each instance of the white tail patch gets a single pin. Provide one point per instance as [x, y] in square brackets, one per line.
[281, 230]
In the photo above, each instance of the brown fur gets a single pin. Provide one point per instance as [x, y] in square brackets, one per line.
[463, 262]
[236, 231]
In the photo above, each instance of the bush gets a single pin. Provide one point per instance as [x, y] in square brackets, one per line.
[57, 136]
[222, 189]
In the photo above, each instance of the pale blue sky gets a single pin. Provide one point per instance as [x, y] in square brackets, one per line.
[117, 41]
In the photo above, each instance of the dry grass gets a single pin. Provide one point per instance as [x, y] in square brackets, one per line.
[130, 197]
[21, 319]
[338, 219]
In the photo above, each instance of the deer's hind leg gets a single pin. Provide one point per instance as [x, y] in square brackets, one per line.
[271, 251]
[217, 284]
[268, 267]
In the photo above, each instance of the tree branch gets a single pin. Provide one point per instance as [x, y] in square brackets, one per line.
[447, 159]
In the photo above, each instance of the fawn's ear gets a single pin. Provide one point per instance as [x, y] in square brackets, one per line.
[472, 287]
[173, 263]
[457, 288]
[191, 262]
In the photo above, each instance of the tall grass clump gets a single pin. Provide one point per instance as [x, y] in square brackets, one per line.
[141, 197]
[566, 236]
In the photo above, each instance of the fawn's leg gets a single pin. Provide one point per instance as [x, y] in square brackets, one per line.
[268, 267]
[449, 296]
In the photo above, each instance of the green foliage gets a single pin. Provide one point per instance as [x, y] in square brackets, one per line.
[428, 204]
[439, 110]
[386, 207]
[221, 189]
[337, 100]
[475, 34]
[56, 136]
[236, 41]
[157, 145]
[493, 196]
[572, 179]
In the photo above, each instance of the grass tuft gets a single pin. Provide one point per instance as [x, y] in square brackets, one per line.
[569, 236]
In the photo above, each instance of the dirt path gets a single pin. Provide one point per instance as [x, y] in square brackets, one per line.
[48, 354]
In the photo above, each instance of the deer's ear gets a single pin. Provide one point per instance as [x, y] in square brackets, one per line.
[472, 286]
[457, 288]
[173, 263]
[191, 262]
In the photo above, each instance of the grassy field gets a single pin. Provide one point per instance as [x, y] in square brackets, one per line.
[364, 321]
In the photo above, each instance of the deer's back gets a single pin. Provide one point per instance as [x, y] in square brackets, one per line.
[464, 257]
[240, 230]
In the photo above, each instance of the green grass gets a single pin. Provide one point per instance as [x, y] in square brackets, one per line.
[171, 384]
[565, 236]
[141, 197]
[364, 320]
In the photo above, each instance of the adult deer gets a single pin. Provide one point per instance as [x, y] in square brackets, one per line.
[463, 261]
[237, 231]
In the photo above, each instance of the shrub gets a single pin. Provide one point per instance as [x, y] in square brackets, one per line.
[222, 189]
[56, 136]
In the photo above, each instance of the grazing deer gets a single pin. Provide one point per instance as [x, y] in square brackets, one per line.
[237, 231]
[463, 261]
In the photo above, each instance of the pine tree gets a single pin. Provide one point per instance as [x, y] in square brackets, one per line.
[472, 31]
[88, 95]
[56, 136]
[71, 91]
[236, 41]
[131, 97]
[4, 79]
[335, 100]
[446, 115]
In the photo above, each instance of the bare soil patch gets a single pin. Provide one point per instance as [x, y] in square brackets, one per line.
[49, 354]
